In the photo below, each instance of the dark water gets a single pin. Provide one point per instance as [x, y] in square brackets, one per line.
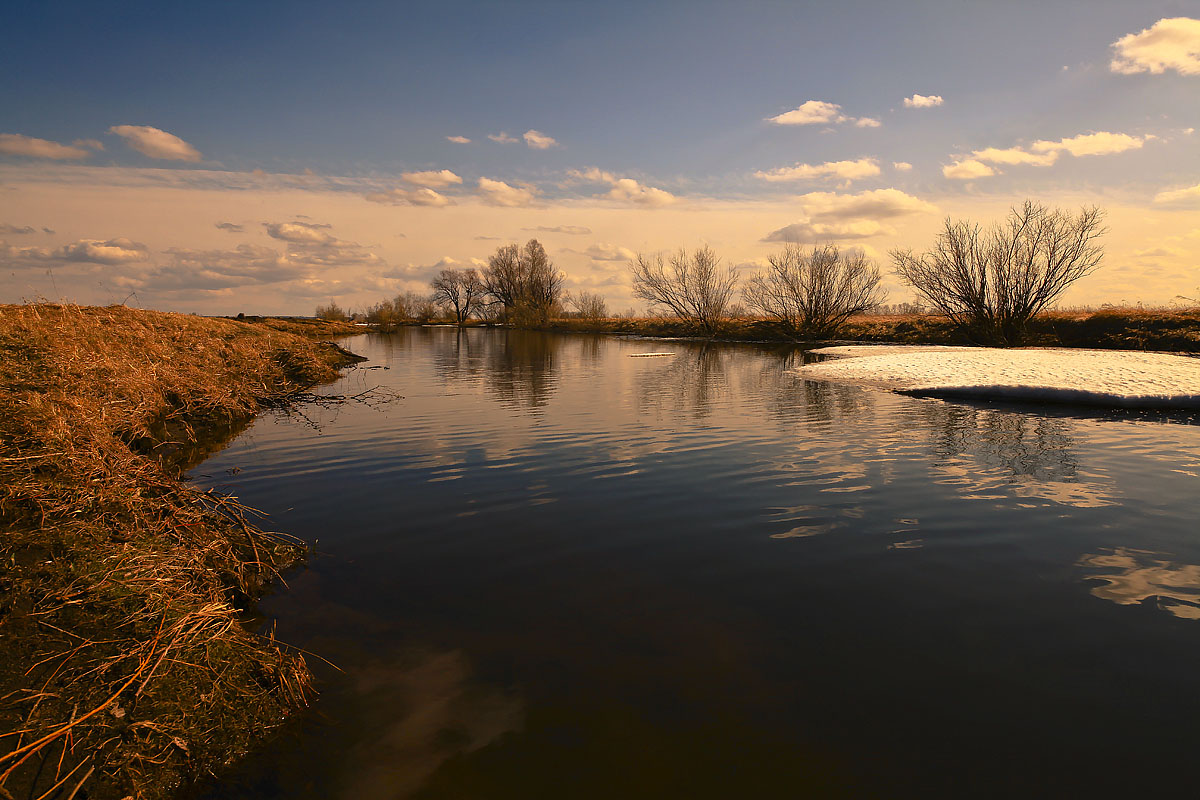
[556, 571]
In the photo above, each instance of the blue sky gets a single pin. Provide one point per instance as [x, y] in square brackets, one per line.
[272, 111]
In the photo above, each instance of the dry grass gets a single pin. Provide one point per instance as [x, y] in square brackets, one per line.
[124, 666]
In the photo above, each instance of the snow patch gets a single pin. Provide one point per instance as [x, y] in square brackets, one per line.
[1089, 377]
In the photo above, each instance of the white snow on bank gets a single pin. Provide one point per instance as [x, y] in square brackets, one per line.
[1091, 377]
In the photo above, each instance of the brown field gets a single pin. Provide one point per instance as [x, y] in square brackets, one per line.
[124, 666]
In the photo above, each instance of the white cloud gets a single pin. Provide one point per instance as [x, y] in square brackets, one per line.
[458, 139]
[812, 232]
[844, 170]
[626, 190]
[156, 143]
[602, 251]
[435, 179]
[1043, 153]
[811, 112]
[503, 138]
[923, 101]
[867, 122]
[1015, 155]
[538, 140]
[967, 170]
[499, 193]
[901, 166]
[1093, 144]
[91, 144]
[873, 204]
[409, 197]
[18, 145]
[1185, 195]
[1172, 43]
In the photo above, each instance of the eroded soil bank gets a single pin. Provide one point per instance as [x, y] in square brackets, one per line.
[124, 667]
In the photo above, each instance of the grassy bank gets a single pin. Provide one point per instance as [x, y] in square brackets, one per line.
[1116, 328]
[124, 665]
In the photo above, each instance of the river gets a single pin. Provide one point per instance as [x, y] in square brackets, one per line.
[552, 569]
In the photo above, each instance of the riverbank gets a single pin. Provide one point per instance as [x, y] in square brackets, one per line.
[125, 668]
[1111, 329]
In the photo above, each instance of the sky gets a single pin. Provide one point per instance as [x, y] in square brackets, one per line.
[269, 157]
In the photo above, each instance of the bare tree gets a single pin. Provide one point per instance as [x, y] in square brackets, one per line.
[332, 312]
[587, 305]
[994, 282]
[461, 291]
[523, 280]
[811, 293]
[692, 286]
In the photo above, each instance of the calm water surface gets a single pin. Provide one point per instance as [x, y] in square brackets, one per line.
[553, 570]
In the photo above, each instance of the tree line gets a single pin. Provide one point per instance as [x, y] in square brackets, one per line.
[990, 281]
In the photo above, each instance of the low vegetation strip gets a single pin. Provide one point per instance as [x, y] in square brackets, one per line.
[124, 665]
[1108, 329]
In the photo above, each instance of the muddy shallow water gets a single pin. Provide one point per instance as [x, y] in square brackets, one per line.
[555, 570]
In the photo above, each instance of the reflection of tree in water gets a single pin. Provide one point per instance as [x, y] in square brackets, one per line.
[1024, 445]
[1132, 576]
[517, 367]
[458, 356]
[694, 380]
[520, 367]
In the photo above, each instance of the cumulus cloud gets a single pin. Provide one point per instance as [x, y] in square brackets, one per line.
[17, 145]
[811, 112]
[91, 144]
[300, 232]
[434, 179]
[874, 204]
[156, 143]
[901, 166]
[212, 270]
[1189, 194]
[503, 138]
[603, 251]
[458, 139]
[538, 140]
[967, 169]
[409, 197]
[499, 193]
[1015, 155]
[112, 251]
[1172, 43]
[1043, 153]
[15, 230]
[313, 245]
[840, 217]
[575, 230]
[109, 252]
[812, 232]
[923, 101]
[1101, 143]
[626, 190]
[230, 227]
[867, 122]
[843, 170]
